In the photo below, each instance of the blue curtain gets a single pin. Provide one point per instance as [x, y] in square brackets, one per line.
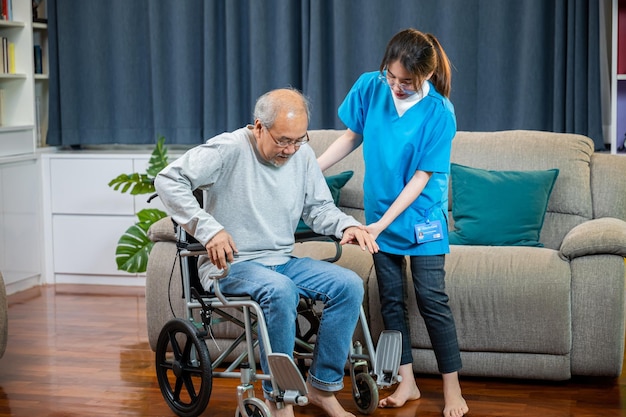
[127, 71]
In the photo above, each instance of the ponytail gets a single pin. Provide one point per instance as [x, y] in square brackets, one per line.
[442, 74]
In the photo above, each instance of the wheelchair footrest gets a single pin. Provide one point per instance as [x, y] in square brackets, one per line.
[388, 353]
[288, 378]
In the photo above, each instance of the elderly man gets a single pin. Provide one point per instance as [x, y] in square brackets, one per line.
[258, 181]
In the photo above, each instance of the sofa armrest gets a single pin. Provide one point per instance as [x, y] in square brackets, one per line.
[162, 230]
[598, 236]
[164, 289]
[4, 317]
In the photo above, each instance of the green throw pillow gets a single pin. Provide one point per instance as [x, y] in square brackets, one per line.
[499, 208]
[335, 183]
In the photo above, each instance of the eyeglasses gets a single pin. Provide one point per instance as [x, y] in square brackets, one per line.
[283, 143]
[407, 89]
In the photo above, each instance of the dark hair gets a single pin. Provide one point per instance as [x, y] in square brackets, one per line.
[420, 53]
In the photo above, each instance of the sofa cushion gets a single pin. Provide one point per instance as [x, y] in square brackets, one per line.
[335, 184]
[499, 208]
[503, 299]
[523, 150]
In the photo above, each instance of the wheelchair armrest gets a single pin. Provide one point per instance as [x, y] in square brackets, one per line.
[191, 246]
[311, 236]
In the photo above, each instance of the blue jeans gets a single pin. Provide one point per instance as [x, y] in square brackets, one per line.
[432, 301]
[278, 288]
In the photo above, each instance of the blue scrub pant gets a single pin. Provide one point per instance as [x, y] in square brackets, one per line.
[432, 301]
[278, 288]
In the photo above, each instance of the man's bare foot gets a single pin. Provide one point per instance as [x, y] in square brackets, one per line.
[406, 391]
[326, 401]
[286, 411]
[455, 405]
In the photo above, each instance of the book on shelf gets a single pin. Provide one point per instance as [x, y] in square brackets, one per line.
[38, 120]
[5, 55]
[1, 107]
[621, 35]
[7, 9]
[11, 58]
[38, 64]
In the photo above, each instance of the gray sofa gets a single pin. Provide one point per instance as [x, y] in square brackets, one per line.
[547, 312]
[4, 317]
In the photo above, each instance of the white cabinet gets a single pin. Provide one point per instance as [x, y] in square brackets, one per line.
[84, 246]
[78, 185]
[84, 218]
[21, 241]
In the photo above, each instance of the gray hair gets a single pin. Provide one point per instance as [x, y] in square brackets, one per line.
[268, 106]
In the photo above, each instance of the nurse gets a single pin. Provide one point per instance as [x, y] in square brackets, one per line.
[402, 116]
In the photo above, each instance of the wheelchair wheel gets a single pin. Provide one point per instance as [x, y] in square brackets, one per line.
[367, 400]
[183, 368]
[253, 407]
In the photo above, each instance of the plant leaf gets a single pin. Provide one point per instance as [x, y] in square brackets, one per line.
[134, 246]
[136, 183]
[159, 159]
[150, 216]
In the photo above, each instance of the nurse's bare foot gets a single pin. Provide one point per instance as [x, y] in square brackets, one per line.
[455, 405]
[286, 411]
[400, 396]
[327, 402]
[406, 391]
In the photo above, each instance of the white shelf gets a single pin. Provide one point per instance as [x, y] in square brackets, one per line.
[16, 76]
[5, 129]
[20, 176]
[17, 135]
[11, 24]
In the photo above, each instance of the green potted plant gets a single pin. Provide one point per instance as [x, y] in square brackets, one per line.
[134, 246]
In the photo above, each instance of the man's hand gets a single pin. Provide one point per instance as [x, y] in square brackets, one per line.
[357, 235]
[221, 249]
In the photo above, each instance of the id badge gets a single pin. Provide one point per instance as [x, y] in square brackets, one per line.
[428, 232]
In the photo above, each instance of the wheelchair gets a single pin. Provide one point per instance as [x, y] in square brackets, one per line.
[185, 370]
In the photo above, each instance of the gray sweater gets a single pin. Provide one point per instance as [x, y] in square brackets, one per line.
[257, 203]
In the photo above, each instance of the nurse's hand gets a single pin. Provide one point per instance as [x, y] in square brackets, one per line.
[375, 229]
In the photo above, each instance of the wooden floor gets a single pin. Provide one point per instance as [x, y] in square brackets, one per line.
[83, 351]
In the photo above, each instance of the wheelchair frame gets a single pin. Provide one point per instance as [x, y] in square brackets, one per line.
[185, 370]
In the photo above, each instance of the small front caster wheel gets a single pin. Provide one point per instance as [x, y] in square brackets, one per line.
[367, 398]
[253, 407]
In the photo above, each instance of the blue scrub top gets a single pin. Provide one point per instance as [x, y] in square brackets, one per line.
[394, 148]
